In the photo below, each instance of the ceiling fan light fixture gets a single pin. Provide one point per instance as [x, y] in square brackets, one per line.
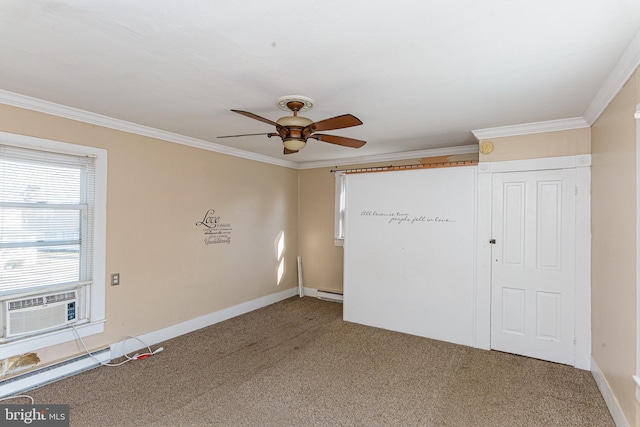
[295, 130]
[294, 121]
[294, 144]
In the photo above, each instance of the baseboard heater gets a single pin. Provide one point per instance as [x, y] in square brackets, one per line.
[330, 296]
[48, 374]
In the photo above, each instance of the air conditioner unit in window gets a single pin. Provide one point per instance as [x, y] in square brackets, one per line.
[40, 313]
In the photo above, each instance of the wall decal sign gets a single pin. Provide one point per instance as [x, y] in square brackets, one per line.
[214, 230]
[405, 218]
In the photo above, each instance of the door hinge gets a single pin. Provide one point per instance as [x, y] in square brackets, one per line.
[492, 241]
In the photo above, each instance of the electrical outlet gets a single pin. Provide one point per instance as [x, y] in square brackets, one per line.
[115, 279]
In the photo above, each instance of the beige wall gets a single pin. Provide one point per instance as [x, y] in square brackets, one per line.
[539, 145]
[157, 191]
[613, 216]
[322, 264]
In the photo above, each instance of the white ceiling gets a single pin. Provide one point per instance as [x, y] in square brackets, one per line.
[421, 75]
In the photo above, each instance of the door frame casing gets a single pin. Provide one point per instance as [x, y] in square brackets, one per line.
[582, 165]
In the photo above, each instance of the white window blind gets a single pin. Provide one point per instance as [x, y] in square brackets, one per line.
[47, 203]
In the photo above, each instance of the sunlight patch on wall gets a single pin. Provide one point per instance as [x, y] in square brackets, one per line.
[280, 251]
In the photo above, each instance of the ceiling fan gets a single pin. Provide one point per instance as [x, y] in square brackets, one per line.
[295, 130]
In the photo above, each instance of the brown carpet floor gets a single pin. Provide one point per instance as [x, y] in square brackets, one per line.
[296, 363]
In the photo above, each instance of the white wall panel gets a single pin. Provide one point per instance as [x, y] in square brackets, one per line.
[410, 252]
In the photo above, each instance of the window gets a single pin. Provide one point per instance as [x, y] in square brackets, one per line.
[46, 219]
[52, 225]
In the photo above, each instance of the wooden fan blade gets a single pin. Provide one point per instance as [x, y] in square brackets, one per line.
[338, 122]
[338, 140]
[256, 117]
[287, 151]
[248, 134]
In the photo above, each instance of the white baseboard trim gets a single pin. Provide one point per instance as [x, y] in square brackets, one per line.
[124, 347]
[39, 377]
[607, 394]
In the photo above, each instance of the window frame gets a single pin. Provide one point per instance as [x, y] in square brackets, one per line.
[636, 377]
[340, 195]
[96, 292]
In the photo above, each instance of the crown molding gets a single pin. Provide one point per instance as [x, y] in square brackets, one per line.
[405, 155]
[625, 67]
[54, 109]
[529, 128]
[628, 63]
[59, 110]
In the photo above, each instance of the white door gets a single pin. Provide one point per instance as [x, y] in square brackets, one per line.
[533, 264]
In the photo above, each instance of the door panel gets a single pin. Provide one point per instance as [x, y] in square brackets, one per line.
[513, 311]
[549, 212]
[514, 204]
[533, 277]
[548, 316]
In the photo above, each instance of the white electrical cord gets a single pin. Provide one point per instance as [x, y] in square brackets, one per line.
[16, 397]
[127, 357]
